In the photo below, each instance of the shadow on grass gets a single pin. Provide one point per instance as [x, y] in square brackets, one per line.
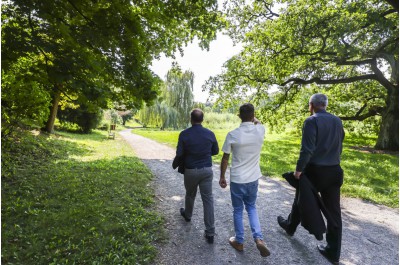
[27, 151]
[373, 177]
[60, 210]
[95, 135]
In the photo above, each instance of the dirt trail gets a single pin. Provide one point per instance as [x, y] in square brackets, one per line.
[370, 232]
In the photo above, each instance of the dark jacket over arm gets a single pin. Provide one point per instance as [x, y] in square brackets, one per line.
[310, 205]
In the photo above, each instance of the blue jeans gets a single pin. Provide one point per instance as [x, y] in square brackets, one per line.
[245, 195]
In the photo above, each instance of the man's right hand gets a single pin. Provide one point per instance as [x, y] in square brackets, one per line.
[222, 183]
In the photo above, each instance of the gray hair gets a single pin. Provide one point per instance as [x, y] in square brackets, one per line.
[319, 100]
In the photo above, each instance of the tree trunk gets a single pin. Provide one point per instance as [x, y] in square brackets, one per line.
[388, 138]
[53, 110]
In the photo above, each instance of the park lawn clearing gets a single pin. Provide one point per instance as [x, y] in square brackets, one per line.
[370, 176]
[76, 199]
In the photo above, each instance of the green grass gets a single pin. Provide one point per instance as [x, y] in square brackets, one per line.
[76, 199]
[370, 176]
[132, 123]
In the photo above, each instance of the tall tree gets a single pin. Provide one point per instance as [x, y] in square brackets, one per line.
[101, 50]
[179, 93]
[339, 44]
[172, 108]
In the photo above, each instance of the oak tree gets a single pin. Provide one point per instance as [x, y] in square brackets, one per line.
[347, 48]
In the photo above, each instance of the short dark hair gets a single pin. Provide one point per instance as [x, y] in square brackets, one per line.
[197, 115]
[246, 112]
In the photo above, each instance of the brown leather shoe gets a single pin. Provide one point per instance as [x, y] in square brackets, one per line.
[235, 244]
[264, 252]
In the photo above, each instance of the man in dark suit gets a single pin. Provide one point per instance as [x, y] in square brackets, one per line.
[319, 160]
[195, 147]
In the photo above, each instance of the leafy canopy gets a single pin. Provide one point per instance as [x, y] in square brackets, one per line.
[347, 48]
[101, 50]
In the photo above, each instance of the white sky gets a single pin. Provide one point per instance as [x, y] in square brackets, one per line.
[201, 62]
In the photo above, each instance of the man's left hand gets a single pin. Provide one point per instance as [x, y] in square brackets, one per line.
[297, 174]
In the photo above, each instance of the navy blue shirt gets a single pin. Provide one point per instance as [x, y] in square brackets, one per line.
[321, 144]
[197, 145]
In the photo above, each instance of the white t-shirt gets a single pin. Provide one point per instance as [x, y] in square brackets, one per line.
[245, 145]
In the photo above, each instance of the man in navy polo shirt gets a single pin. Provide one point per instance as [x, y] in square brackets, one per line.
[195, 147]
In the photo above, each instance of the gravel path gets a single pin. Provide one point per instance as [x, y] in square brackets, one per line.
[370, 232]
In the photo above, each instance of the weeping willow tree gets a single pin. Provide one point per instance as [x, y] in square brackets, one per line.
[172, 108]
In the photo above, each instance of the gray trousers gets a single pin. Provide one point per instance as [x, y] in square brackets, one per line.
[201, 178]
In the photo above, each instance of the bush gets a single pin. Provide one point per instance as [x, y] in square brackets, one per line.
[111, 116]
[24, 97]
[213, 120]
[87, 119]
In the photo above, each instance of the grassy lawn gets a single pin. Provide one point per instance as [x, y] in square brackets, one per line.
[76, 199]
[370, 176]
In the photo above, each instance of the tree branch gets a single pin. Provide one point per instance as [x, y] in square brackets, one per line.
[380, 77]
[372, 112]
[320, 81]
[35, 35]
[357, 63]
[268, 7]
[394, 3]
[77, 10]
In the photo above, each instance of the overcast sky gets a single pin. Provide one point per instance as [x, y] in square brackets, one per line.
[202, 63]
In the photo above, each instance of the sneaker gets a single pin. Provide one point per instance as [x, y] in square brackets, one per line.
[182, 211]
[235, 244]
[264, 251]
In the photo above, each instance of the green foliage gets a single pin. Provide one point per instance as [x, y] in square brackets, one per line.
[76, 199]
[368, 175]
[24, 97]
[113, 116]
[87, 118]
[133, 123]
[172, 108]
[215, 121]
[348, 49]
[101, 51]
[126, 115]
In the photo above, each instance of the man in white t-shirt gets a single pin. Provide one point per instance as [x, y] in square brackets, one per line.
[244, 143]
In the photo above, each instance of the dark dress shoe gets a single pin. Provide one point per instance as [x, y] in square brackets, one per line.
[319, 237]
[182, 211]
[283, 223]
[210, 239]
[325, 252]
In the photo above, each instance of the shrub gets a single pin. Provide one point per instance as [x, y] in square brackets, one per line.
[87, 119]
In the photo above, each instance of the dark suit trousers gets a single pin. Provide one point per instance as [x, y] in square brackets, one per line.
[327, 180]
